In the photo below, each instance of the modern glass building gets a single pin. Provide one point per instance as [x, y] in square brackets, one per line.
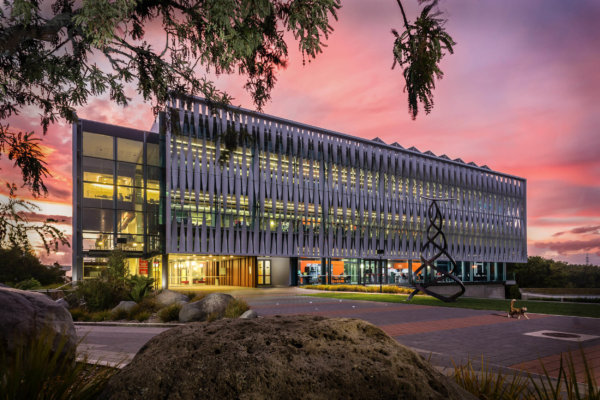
[291, 205]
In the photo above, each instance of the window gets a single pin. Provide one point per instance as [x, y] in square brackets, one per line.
[153, 154]
[97, 191]
[130, 222]
[130, 150]
[97, 219]
[95, 145]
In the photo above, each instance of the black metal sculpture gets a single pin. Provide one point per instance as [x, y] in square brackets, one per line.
[436, 241]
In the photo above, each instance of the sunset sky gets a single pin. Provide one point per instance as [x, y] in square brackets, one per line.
[520, 94]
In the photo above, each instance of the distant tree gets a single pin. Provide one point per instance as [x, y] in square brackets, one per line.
[18, 265]
[540, 272]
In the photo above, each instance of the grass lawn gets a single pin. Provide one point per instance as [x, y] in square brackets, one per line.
[542, 307]
[563, 291]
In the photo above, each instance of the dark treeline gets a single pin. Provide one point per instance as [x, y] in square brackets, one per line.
[17, 265]
[544, 273]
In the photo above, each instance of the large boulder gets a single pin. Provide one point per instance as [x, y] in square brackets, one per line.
[126, 306]
[26, 315]
[214, 303]
[168, 297]
[292, 357]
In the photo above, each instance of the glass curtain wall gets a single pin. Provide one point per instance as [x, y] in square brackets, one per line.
[120, 197]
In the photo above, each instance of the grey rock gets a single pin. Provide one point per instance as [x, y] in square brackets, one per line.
[25, 315]
[62, 302]
[289, 357]
[168, 297]
[3, 285]
[126, 306]
[249, 314]
[191, 312]
[214, 303]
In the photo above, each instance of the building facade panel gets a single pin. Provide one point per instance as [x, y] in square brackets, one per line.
[292, 190]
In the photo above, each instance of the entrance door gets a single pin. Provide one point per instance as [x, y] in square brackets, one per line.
[264, 272]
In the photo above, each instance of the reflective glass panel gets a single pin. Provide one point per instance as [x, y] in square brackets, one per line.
[97, 219]
[96, 145]
[97, 191]
[130, 222]
[153, 154]
[130, 150]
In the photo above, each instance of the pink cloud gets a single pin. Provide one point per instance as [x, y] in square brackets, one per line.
[519, 95]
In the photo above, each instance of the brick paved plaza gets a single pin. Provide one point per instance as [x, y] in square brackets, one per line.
[444, 334]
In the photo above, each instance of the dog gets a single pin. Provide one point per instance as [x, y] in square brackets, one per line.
[516, 311]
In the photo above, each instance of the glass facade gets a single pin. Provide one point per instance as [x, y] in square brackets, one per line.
[119, 203]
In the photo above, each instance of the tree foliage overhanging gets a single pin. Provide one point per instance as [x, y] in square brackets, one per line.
[56, 54]
[419, 50]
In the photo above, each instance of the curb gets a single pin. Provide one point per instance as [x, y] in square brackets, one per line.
[129, 324]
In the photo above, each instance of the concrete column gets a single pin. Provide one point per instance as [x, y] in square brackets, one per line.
[165, 271]
[495, 271]
[462, 270]
[471, 273]
[410, 274]
[504, 271]
[487, 270]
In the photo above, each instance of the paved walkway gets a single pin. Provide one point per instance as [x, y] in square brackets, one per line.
[445, 334]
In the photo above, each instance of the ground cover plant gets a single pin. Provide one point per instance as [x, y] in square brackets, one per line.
[37, 372]
[487, 384]
[362, 288]
[235, 308]
[541, 307]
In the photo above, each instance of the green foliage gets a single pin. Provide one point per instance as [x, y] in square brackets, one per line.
[18, 265]
[116, 269]
[141, 286]
[170, 313]
[235, 308]
[487, 384]
[28, 284]
[45, 52]
[100, 294]
[361, 288]
[540, 272]
[100, 316]
[120, 314]
[419, 50]
[513, 292]
[38, 372]
[141, 316]
[79, 314]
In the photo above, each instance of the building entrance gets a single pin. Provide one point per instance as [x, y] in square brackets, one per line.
[264, 272]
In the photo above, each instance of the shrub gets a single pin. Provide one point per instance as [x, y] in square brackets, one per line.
[213, 316]
[100, 294]
[486, 384]
[120, 314]
[79, 314]
[28, 284]
[170, 313]
[235, 308]
[141, 316]
[513, 292]
[141, 286]
[37, 372]
[360, 288]
[100, 316]
[194, 297]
